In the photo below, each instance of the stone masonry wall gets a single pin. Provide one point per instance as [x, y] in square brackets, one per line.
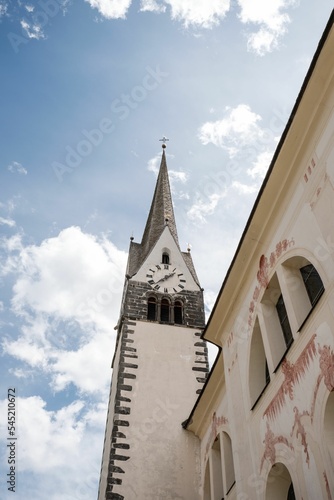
[135, 306]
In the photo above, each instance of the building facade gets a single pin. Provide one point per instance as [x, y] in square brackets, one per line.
[265, 417]
[260, 426]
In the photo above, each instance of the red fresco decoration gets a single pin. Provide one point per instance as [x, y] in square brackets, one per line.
[308, 172]
[233, 362]
[216, 423]
[292, 374]
[327, 487]
[326, 364]
[265, 266]
[270, 441]
[301, 431]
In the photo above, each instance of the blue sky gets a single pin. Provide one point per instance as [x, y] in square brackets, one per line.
[87, 90]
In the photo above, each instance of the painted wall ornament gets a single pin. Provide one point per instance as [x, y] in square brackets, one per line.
[270, 441]
[293, 372]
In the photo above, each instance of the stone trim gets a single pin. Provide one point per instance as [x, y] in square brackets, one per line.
[202, 371]
[120, 449]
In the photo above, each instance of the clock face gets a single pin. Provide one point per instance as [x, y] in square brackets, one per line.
[165, 278]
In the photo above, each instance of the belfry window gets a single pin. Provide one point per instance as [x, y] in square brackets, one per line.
[313, 284]
[178, 312]
[165, 258]
[165, 311]
[152, 309]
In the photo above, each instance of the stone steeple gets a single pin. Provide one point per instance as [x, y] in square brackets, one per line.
[161, 215]
[161, 212]
[159, 366]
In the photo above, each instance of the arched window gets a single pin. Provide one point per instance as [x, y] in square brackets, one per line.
[165, 311]
[259, 375]
[228, 461]
[152, 309]
[279, 484]
[284, 320]
[165, 258]
[313, 283]
[303, 287]
[275, 321]
[217, 471]
[178, 312]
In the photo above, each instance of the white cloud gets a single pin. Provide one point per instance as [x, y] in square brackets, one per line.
[111, 9]
[271, 19]
[73, 275]
[3, 8]
[29, 8]
[67, 367]
[59, 447]
[68, 292]
[261, 165]
[33, 31]
[243, 188]
[238, 128]
[151, 6]
[201, 13]
[178, 176]
[249, 147]
[17, 167]
[202, 208]
[7, 222]
[9, 252]
[153, 165]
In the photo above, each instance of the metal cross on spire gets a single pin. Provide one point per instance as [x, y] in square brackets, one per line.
[164, 140]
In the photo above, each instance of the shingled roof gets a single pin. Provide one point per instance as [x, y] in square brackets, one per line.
[161, 212]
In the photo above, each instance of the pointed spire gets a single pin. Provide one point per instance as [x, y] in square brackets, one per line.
[161, 212]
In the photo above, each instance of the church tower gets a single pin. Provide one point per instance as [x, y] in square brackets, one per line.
[159, 367]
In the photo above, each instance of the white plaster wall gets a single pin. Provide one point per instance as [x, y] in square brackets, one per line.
[164, 458]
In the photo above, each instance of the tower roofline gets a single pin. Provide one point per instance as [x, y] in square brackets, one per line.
[161, 211]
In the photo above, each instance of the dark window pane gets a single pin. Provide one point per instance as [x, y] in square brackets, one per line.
[165, 258]
[291, 493]
[313, 283]
[178, 316]
[152, 309]
[284, 320]
[267, 373]
[165, 311]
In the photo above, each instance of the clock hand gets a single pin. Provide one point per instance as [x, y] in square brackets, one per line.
[165, 278]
